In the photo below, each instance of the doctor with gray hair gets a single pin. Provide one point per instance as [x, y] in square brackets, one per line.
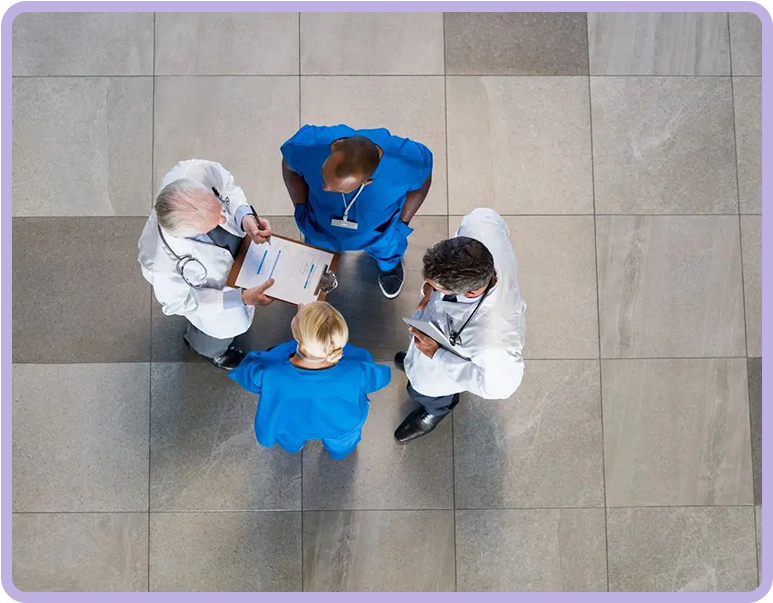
[186, 251]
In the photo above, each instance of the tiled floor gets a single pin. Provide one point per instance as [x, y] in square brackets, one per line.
[624, 151]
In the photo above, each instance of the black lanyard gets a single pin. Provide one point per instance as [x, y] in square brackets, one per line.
[455, 336]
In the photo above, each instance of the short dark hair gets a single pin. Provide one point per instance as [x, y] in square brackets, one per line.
[359, 157]
[459, 265]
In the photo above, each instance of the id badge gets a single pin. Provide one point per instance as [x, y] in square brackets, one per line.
[343, 224]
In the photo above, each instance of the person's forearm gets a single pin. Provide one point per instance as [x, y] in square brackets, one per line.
[296, 185]
[414, 200]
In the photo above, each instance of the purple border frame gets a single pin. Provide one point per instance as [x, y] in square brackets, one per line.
[306, 6]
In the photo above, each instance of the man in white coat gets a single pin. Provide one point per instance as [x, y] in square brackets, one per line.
[186, 252]
[472, 295]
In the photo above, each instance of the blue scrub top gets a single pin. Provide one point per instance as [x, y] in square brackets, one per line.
[404, 167]
[302, 404]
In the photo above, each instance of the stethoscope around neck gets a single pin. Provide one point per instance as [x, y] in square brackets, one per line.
[187, 260]
[455, 337]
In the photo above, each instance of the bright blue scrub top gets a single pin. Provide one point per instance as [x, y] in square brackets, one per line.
[303, 404]
[404, 167]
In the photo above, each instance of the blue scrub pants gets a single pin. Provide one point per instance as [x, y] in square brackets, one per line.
[337, 448]
[387, 249]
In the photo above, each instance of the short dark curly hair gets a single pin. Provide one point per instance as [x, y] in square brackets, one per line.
[459, 265]
[360, 157]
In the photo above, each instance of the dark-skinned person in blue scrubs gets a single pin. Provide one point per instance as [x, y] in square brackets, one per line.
[358, 190]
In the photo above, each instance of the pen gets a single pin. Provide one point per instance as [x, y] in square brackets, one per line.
[257, 219]
[227, 201]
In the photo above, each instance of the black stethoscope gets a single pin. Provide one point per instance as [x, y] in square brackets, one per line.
[455, 337]
[187, 260]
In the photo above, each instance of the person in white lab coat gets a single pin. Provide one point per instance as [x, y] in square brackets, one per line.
[186, 251]
[472, 294]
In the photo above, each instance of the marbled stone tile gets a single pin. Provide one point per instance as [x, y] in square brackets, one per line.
[755, 408]
[751, 239]
[676, 432]
[746, 42]
[747, 95]
[698, 549]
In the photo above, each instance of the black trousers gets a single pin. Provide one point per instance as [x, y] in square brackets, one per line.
[434, 405]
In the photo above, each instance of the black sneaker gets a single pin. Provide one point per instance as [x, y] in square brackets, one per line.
[391, 281]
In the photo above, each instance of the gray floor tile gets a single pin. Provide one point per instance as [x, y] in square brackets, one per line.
[371, 43]
[84, 43]
[81, 146]
[658, 44]
[531, 550]
[270, 326]
[663, 145]
[747, 95]
[225, 552]
[536, 160]
[378, 551]
[751, 239]
[755, 408]
[227, 43]
[382, 474]
[96, 552]
[204, 455]
[374, 321]
[407, 106]
[516, 43]
[676, 432]
[681, 549]
[254, 116]
[558, 280]
[746, 43]
[80, 437]
[666, 282]
[78, 293]
[540, 448]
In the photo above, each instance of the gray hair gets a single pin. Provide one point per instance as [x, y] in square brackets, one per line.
[459, 265]
[182, 206]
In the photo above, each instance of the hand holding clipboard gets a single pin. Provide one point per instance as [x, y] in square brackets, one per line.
[302, 273]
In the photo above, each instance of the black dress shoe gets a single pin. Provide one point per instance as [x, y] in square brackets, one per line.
[227, 361]
[400, 360]
[417, 424]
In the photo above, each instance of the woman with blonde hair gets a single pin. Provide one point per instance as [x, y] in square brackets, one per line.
[314, 387]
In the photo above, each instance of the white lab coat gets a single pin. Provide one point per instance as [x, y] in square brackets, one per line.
[493, 339]
[203, 307]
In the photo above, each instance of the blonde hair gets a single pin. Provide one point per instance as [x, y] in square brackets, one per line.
[184, 204]
[321, 330]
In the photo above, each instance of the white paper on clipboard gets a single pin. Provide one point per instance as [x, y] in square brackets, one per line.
[295, 268]
[431, 330]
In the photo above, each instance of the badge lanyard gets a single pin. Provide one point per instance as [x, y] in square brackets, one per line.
[348, 206]
[344, 222]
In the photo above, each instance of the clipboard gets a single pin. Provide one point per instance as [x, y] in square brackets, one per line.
[325, 283]
[432, 331]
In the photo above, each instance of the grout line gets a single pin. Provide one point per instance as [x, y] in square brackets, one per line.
[743, 292]
[448, 227]
[150, 317]
[392, 75]
[424, 215]
[300, 114]
[389, 359]
[598, 311]
[396, 510]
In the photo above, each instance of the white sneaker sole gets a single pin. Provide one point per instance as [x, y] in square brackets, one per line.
[393, 295]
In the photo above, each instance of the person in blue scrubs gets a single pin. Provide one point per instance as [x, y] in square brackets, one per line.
[313, 388]
[358, 190]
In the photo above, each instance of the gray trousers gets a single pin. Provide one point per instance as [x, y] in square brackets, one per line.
[206, 345]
